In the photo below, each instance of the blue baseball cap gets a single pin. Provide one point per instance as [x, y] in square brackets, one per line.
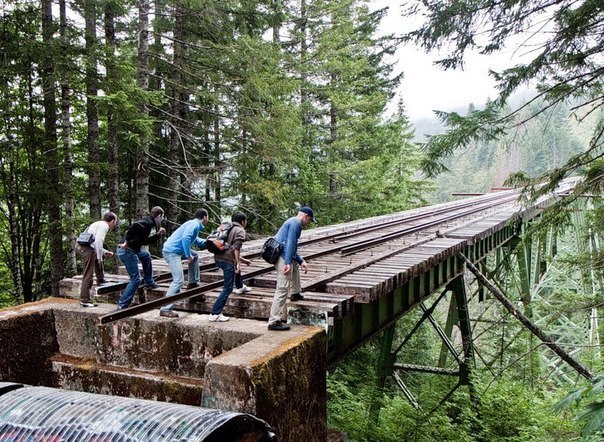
[309, 212]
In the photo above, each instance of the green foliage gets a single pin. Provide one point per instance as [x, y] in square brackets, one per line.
[506, 409]
[535, 150]
[224, 117]
[565, 68]
[590, 398]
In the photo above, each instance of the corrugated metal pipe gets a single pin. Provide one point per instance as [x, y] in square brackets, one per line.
[46, 414]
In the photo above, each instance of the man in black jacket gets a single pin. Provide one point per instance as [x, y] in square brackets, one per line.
[130, 252]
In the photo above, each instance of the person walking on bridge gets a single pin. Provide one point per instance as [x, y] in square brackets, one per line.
[177, 247]
[230, 262]
[131, 250]
[92, 256]
[288, 267]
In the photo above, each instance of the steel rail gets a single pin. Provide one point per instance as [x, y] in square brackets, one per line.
[333, 237]
[353, 248]
[184, 294]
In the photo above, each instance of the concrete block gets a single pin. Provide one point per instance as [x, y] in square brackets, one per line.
[280, 377]
[27, 340]
[88, 376]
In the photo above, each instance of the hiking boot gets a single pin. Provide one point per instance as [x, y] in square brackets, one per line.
[240, 291]
[297, 297]
[168, 314]
[87, 304]
[218, 318]
[280, 326]
[152, 286]
[102, 282]
[192, 285]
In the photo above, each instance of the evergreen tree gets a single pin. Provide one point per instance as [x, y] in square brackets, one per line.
[566, 65]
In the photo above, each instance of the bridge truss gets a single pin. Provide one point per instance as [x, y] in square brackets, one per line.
[556, 299]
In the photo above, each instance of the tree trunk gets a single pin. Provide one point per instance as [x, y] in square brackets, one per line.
[92, 113]
[70, 259]
[179, 116]
[217, 180]
[547, 340]
[53, 200]
[9, 180]
[113, 193]
[303, 77]
[142, 159]
[276, 19]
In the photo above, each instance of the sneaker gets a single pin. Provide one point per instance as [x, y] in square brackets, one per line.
[102, 282]
[87, 304]
[192, 285]
[152, 286]
[278, 326]
[218, 318]
[168, 314]
[244, 289]
[297, 297]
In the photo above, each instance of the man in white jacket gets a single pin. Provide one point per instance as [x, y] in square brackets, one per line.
[92, 256]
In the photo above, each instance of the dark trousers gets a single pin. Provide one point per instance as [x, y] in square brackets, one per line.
[230, 278]
[91, 265]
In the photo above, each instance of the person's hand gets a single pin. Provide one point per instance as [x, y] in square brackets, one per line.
[286, 269]
[161, 231]
[108, 254]
[238, 267]
[304, 267]
[247, 262]
[190, 259]
[123, 245]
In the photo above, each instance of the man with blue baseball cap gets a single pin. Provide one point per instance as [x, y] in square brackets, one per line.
[288, 267]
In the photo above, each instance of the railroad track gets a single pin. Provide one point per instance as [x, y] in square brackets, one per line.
[348, 247]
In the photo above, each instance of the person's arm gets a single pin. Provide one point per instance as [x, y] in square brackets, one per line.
[199, 242]
[134, 236]
[99, 239]
[188, 237]
[291, 245]
[155, 237]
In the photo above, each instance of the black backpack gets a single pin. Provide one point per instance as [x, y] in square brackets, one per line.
[271, 250]
[216, 242]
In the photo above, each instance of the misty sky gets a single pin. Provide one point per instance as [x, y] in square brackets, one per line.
[426, 87]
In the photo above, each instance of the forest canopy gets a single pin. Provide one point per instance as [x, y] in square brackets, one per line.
[260, 106]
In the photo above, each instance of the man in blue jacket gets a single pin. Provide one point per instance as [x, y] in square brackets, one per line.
[177, 247]
[130, 251]
[288, 267]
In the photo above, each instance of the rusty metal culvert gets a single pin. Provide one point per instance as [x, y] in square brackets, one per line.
[52, 415]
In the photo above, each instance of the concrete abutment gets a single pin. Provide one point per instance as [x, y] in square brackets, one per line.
[234, 366]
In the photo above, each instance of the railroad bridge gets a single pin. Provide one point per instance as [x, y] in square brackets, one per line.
[363, 277]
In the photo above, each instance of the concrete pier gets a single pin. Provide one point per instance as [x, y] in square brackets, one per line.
[237, 365]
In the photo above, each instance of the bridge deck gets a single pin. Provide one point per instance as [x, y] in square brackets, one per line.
[362, 275]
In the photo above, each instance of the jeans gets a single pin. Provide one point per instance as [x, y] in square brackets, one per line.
[130, 260]
[230, 278]
[174, 261]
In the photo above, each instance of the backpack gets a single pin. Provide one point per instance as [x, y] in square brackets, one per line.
[271, 250]
[216, 242]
